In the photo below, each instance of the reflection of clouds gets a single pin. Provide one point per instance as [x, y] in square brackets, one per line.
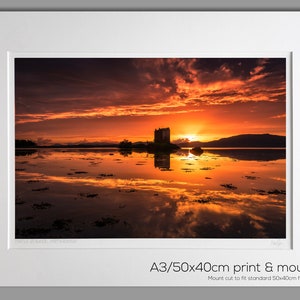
[161, 208]
[170, 187]
[240, 226]
[174, 189]
[278, 179]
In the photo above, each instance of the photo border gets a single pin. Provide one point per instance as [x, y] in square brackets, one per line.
[198, 243]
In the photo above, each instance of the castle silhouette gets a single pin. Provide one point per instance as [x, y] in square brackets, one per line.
[162, 135]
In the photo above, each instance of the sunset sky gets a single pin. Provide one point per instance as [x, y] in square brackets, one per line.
[70, 100]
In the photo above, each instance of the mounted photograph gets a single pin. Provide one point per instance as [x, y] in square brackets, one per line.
[167, 148]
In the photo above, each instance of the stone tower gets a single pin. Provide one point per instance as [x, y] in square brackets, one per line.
[162, 135]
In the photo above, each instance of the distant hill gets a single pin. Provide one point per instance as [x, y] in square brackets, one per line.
[243, 141]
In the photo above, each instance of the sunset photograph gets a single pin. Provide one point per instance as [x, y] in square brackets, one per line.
[150, 148]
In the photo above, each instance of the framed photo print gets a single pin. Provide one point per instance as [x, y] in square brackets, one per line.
[147, 148]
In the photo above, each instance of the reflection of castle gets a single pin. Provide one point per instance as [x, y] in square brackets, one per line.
[162, 135]
[162, 161]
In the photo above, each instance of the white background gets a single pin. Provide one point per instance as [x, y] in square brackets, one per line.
[136, 33]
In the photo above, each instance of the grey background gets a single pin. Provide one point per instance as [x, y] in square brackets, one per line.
[186, 5]
[148, 293]
[142, 293]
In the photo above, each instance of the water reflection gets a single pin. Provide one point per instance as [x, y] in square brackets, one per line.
[162, 161]
[125, 152]
[74, 193]
[24, 152]
[251, 154]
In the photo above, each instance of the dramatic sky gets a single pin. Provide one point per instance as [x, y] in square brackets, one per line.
[67, 100]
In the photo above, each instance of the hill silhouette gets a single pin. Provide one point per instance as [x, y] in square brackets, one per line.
[243, 141]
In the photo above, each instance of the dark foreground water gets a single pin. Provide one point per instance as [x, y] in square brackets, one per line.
[104, 193]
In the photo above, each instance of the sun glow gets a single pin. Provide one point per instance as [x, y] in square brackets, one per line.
[192, 137]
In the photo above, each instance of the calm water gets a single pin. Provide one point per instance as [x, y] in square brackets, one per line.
[103, 193]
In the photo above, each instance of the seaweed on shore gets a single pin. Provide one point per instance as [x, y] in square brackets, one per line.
[106, 175]
[42, 205]
[106, 221]
[33, 181]
[61, 224]
[251, 177]
[277, 192]
[40, 189]
[88, 195]
[187, 170]
[260, 192]
[20, 202]
[203, 201]
[229, 186]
